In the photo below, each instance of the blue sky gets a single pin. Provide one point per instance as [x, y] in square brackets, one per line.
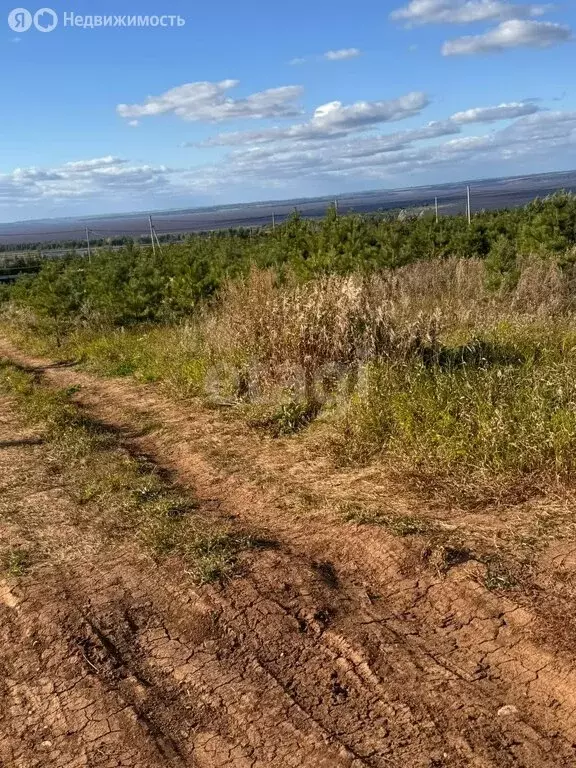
[255, 100]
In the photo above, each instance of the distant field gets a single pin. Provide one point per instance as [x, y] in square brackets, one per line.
[489, 194]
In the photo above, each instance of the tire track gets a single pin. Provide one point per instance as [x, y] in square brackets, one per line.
[325, 653]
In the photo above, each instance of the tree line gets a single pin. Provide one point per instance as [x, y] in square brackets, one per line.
[134, 284]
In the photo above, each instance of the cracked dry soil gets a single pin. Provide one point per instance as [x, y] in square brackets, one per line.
[332, 649]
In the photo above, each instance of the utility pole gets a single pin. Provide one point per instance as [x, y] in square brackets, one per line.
[157, 241]
[88, 244]
[469, 209]
[336, 206]
[152, 235]
[436, 208]
[273, 221]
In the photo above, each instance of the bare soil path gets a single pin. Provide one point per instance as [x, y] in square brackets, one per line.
[337, 647]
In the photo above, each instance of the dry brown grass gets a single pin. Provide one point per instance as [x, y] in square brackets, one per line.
[455, 385]
[300, 335]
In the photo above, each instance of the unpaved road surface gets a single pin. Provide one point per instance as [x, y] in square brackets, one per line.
[336, 647]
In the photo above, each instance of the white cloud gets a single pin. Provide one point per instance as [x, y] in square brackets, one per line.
[392, 142]
[347, 150]
[335, 116]
[420, 12]
[374, 145]
[209, 102]
[332, 119]
[542, 128]
[306, 164]
[342, 54]
[500, 112]
[510, 34]
[98, 163]
[390, 156]
[81, 179]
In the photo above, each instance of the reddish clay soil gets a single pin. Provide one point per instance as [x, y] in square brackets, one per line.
[339, 646]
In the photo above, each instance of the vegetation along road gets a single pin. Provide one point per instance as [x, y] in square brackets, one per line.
[302, 499]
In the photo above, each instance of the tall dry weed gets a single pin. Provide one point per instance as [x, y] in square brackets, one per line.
[281, 334]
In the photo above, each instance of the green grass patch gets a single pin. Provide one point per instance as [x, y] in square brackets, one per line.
[170, 356]
[16, 562]
[467, 425]
[124, 496]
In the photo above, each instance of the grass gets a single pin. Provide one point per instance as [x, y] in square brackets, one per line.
[288, 419]
[482, 427]
[399, 525]
[499, 576]
[465, 393]
[461, 394]
[165, 355]
[124, 496]
[16, 562]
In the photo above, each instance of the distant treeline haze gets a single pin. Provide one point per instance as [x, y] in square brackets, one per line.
[133, 285]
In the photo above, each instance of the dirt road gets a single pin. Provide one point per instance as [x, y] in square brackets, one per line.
[340, 645]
